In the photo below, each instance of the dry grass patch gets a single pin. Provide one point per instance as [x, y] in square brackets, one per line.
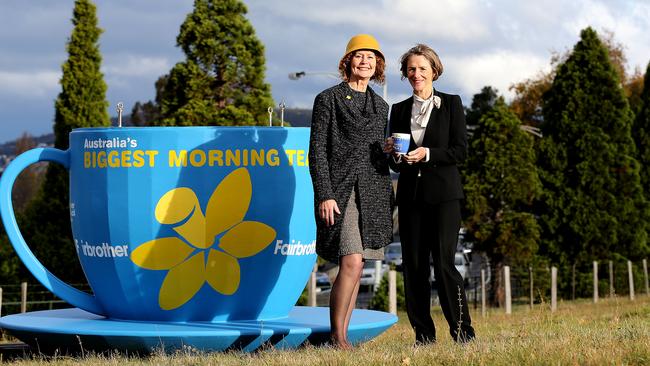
[614, 331]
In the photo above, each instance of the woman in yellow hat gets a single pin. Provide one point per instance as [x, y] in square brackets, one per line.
[352, 186]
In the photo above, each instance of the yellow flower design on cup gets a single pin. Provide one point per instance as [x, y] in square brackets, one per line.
[211, 244]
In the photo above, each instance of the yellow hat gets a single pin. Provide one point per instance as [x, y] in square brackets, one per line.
[363, 42]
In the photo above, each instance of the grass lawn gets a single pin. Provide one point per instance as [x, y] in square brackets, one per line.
[613, 332]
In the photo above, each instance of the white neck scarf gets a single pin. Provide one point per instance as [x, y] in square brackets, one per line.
[422, 117]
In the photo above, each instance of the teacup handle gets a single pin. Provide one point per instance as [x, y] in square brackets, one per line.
[61, 289]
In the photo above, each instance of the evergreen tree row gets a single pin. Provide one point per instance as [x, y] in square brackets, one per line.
[576, 194]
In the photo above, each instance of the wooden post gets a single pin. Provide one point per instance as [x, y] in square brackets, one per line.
[595, 282]
[506, 277]
[311, 289]
[645, 275]
[377, 276]
[532, 292]
[611, 279]
[573, 282]
[630, 278]
[483, 300]
[392, 291]
[23, 297]
[553, 288]
[0, 301]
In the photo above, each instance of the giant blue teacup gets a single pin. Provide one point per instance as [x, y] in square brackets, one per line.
[182, 223]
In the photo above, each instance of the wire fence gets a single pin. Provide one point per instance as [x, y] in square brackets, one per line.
[485, 285]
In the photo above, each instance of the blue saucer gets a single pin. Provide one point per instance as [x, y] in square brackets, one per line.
[74, 330]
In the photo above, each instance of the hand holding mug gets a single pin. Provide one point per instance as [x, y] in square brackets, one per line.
[389, 146]
[416, 155]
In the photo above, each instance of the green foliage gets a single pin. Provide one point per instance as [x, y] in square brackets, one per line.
[481, 103]
[501, 183]
[9, 262]
[641, 133]
[221, 82]
[379, 300]
[45, 223]
[593, 202]
[304, 297]
[82, 101]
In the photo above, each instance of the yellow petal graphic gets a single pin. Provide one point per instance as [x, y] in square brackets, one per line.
[175, 205]
[193, 230]
[222, 272]
[247, 238]
[162, 253]
[229, 202]
[182, 282]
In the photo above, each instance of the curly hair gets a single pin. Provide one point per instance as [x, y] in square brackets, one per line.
[345, 69]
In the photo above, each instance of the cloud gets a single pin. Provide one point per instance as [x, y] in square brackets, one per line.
[30, 84]
[124, 66]
[498, 69]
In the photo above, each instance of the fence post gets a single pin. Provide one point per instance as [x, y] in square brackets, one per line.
[595, 282]
[311, 289]
[475, 293]
[553, 288]
[573, 281]
[611, 279]
[630, 277]
[506, 278]
[392, 291]
[0, 301]
[532, 293]
[483, 300]
[23, 297]
[645, 275]
[377, 276]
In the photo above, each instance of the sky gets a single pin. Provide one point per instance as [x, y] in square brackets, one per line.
[480, 42]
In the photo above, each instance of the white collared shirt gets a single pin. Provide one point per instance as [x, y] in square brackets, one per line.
[420, 114]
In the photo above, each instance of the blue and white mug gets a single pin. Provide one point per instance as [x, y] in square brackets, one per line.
[401, 142]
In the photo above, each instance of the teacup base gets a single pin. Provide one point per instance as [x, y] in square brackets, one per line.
[76, 331]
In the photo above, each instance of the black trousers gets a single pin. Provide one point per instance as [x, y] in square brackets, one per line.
[432, 230]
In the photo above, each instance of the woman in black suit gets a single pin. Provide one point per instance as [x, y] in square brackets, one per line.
[429, 191]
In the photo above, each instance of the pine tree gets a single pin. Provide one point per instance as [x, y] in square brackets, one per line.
[481, 103]
[81, 103]
[593, 204]
[641, 133]
[501, 184]
[221, 82]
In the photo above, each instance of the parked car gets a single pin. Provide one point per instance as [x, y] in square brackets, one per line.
[323, 282]
[393, 254]
[461, 261]
[368, 273]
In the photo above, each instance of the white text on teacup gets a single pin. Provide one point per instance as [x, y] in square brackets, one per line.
[103, 250]
[294, 248]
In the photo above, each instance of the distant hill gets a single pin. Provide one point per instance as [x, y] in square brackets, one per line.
[298, 117]
[9, 148]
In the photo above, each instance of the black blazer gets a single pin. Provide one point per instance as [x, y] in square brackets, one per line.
[446, 138]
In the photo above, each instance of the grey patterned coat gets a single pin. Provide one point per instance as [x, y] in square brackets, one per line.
[346, 148]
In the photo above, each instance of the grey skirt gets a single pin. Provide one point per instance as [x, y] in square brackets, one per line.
[351, 233]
